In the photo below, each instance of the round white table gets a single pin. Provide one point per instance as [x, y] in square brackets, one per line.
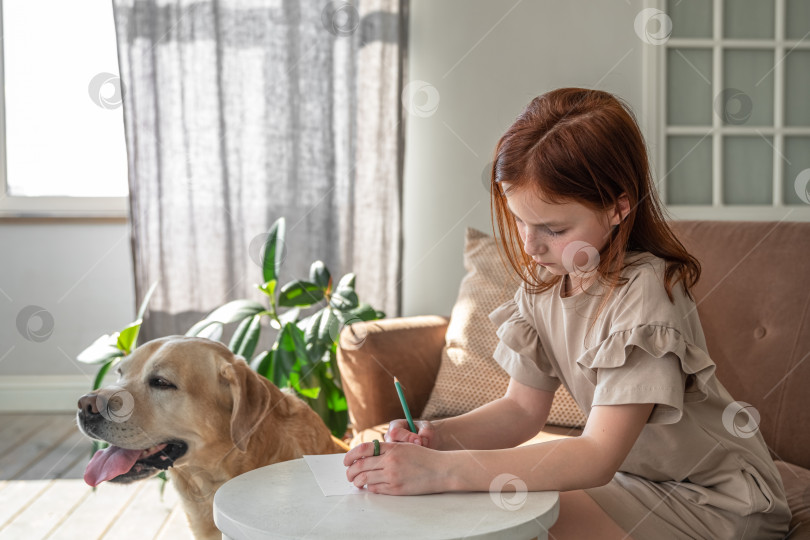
[284, 501]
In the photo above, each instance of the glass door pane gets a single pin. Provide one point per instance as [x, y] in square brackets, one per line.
[797, 88]
[747, 170]
[690, 18]
[689, 170]
[748, 19]
[689, 88]
[797, 159]
[797, 19]
[747, 96]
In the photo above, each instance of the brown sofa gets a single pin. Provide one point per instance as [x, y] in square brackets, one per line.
[753, 299]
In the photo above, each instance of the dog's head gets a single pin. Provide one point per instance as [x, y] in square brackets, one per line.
[178, 400]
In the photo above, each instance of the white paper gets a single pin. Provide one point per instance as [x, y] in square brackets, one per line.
[330, 473]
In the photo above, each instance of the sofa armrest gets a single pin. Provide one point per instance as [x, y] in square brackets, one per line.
[369, 356]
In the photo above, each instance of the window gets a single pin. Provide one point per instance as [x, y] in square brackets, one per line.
[61, 123]
[728, 110]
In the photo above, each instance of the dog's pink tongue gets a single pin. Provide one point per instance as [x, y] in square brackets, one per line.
[109, 463]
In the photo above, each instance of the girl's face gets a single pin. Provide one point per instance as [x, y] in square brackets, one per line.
[565, 238]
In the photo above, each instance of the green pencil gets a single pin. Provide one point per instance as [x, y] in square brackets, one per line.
[404, 405]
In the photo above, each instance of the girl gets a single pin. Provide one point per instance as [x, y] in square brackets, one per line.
[605, 308]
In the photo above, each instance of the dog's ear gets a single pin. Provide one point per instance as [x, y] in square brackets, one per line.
[251, 400]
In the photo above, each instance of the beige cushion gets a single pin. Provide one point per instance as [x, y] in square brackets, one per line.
[468, 376]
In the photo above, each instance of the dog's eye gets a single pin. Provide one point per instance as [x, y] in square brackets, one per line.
[160, 382]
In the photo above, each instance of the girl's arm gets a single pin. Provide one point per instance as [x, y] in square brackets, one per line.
[589, 460]
[506, 422]
[586, 461]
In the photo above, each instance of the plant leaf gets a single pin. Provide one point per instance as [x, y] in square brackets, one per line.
[102, 372]
[239, 335]
[235, 311]
[146, 299]
[344, 299]
[261, 364]
[163, 481]
[285, 360]
[313, 326]
[315, 352]
[329, 329]
[251, 337]
[334, 396]
[98, 445]
[311, 393]
[307, 384]
[331, 403]
[274, 250]
[206, 329]
[346, 282]
[299, 343]
[102, 350]
[362, 312]
[268, 288]
[212, 331]
[289, 316]
[281, 365]
[128, 336]
[319, 274]
[299, 293]
[303, 324]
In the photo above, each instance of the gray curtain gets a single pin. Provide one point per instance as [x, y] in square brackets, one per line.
[238, 113]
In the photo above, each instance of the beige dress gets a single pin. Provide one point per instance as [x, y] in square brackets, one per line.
[700, 468]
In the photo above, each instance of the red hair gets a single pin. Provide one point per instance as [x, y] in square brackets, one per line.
[585, 146]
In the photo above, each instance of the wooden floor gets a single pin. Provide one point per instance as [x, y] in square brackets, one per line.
[42, 494]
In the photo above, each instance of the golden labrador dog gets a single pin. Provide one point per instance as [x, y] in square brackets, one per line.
[191, 406]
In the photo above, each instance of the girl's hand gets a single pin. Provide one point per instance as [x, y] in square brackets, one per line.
[398, 431]
[400, 469]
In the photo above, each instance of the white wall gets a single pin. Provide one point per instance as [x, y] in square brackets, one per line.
[487, 60]
[80, 274]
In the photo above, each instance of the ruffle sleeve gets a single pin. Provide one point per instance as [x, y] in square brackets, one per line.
[519, 351]
[648, 364]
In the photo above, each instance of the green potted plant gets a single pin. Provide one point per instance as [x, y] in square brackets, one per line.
[303, 355]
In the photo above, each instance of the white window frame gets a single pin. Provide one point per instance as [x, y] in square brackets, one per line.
[654, 89]
[12, 206]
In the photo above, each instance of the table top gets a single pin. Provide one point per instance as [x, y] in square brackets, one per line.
[284, 501]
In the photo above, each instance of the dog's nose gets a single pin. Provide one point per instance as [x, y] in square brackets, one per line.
[87, 403]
